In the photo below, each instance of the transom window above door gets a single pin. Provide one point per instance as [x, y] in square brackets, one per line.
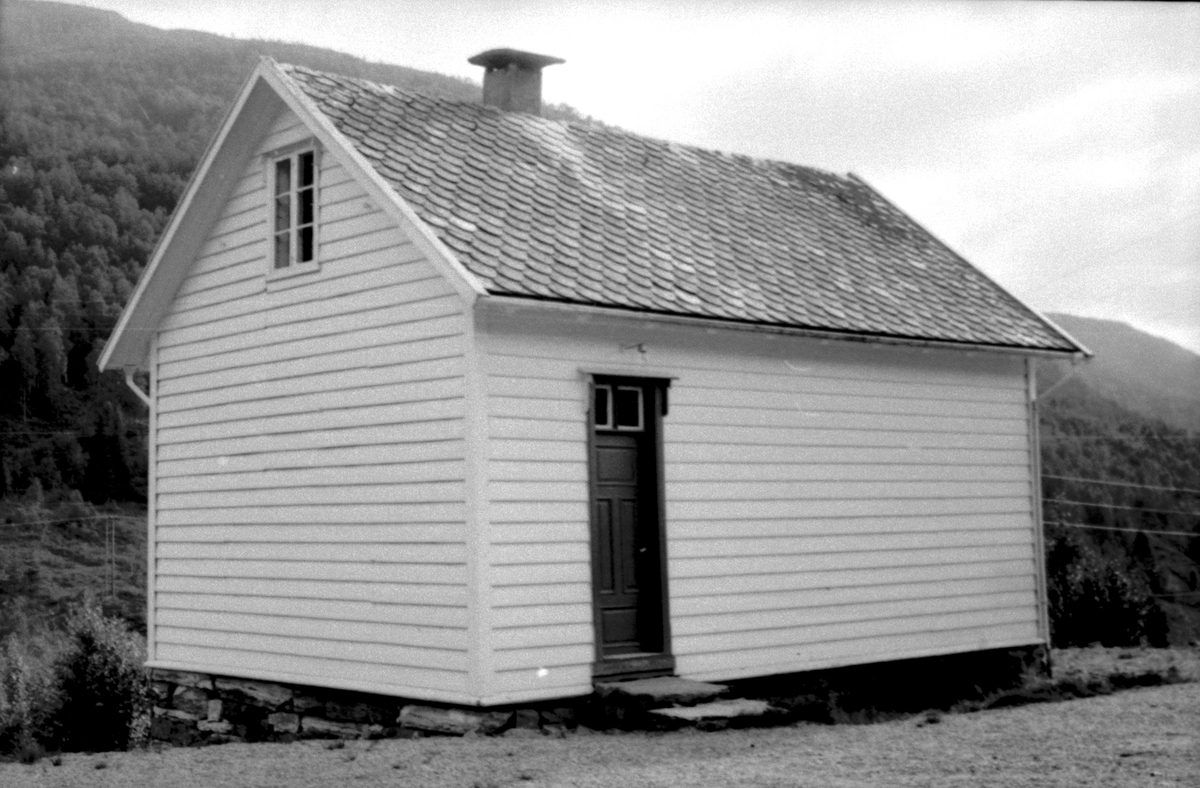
[620, 408]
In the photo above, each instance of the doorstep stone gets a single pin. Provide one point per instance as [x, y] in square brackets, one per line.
[716, 710]
[660, 691]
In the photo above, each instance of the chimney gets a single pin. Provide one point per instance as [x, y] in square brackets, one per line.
[512, 80]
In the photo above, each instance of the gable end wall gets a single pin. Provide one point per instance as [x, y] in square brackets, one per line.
[310, 455]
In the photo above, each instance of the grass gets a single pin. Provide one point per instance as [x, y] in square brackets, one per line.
[968, 683]
[51, 556]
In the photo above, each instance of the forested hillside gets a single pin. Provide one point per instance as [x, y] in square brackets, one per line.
[1122, 484]
[101, 124]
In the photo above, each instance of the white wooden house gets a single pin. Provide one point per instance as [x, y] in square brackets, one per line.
[462, 404]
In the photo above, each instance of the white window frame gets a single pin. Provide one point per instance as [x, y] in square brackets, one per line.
[270, 160]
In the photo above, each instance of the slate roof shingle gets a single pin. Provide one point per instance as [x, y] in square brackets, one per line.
[589, 214]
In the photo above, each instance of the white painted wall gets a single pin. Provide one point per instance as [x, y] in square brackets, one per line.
[827, 503]
[310, 455]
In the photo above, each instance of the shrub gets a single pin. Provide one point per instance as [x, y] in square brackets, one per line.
[23, 703]
[99, 682]
[1099, 598]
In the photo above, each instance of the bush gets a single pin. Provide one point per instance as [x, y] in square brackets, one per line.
[1098, 598]
[23, 703]
[100, 683]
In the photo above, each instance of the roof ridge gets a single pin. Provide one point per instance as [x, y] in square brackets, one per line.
[590, 124]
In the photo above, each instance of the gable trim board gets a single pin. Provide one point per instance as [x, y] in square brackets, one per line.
[453, 419]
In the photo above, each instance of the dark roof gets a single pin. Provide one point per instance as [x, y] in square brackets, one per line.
[589, 214]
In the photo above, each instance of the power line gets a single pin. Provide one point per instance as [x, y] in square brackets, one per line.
[1112, 436]
[67, 520]
[1120, 484]
[1119, 506]
[41, 432]
[1114, 528]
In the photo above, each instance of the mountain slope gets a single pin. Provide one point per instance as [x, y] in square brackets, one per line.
[1146, 374]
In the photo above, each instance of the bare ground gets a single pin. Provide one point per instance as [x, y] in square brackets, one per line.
[1139, 737]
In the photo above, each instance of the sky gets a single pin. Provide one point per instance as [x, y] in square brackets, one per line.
[1056, 146]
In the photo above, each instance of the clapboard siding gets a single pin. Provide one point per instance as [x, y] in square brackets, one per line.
[825, 646]
[430, 472]
[705, 585]
[312, 644]
[311, 453]
[702, 605]
[372, 672]
[818, 495]
[685, 530]
[424, 457]
[426, 602]
[378, 435]
[428, 638]
[435, 619]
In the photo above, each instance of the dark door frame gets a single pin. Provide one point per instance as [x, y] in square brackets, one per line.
[655, 408]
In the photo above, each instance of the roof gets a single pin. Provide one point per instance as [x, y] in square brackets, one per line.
[585, 213]
[511, 204]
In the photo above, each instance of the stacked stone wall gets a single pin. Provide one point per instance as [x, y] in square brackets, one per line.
[198, 708]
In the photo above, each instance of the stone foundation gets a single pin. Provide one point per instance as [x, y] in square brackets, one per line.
[197, 708]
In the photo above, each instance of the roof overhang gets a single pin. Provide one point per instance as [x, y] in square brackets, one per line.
[505, 303]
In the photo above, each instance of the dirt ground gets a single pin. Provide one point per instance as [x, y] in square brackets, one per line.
[1096, 662]
[1138, 737]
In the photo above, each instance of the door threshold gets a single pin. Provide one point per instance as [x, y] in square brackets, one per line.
[637, 665]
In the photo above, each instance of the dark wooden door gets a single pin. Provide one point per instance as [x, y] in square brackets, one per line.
[626, 527]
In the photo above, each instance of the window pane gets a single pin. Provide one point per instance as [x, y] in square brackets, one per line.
[628, 407]
[281, 249]
[283, 176]
[306, 245]
[306, 169]
[283, 213]
[306, 207]
[601, 407]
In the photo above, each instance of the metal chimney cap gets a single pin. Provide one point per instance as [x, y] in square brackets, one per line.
[503, 58]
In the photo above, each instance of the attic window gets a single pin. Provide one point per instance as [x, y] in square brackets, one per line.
[293, 179]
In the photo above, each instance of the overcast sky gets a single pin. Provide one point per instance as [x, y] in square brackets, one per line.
[1056, 146]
